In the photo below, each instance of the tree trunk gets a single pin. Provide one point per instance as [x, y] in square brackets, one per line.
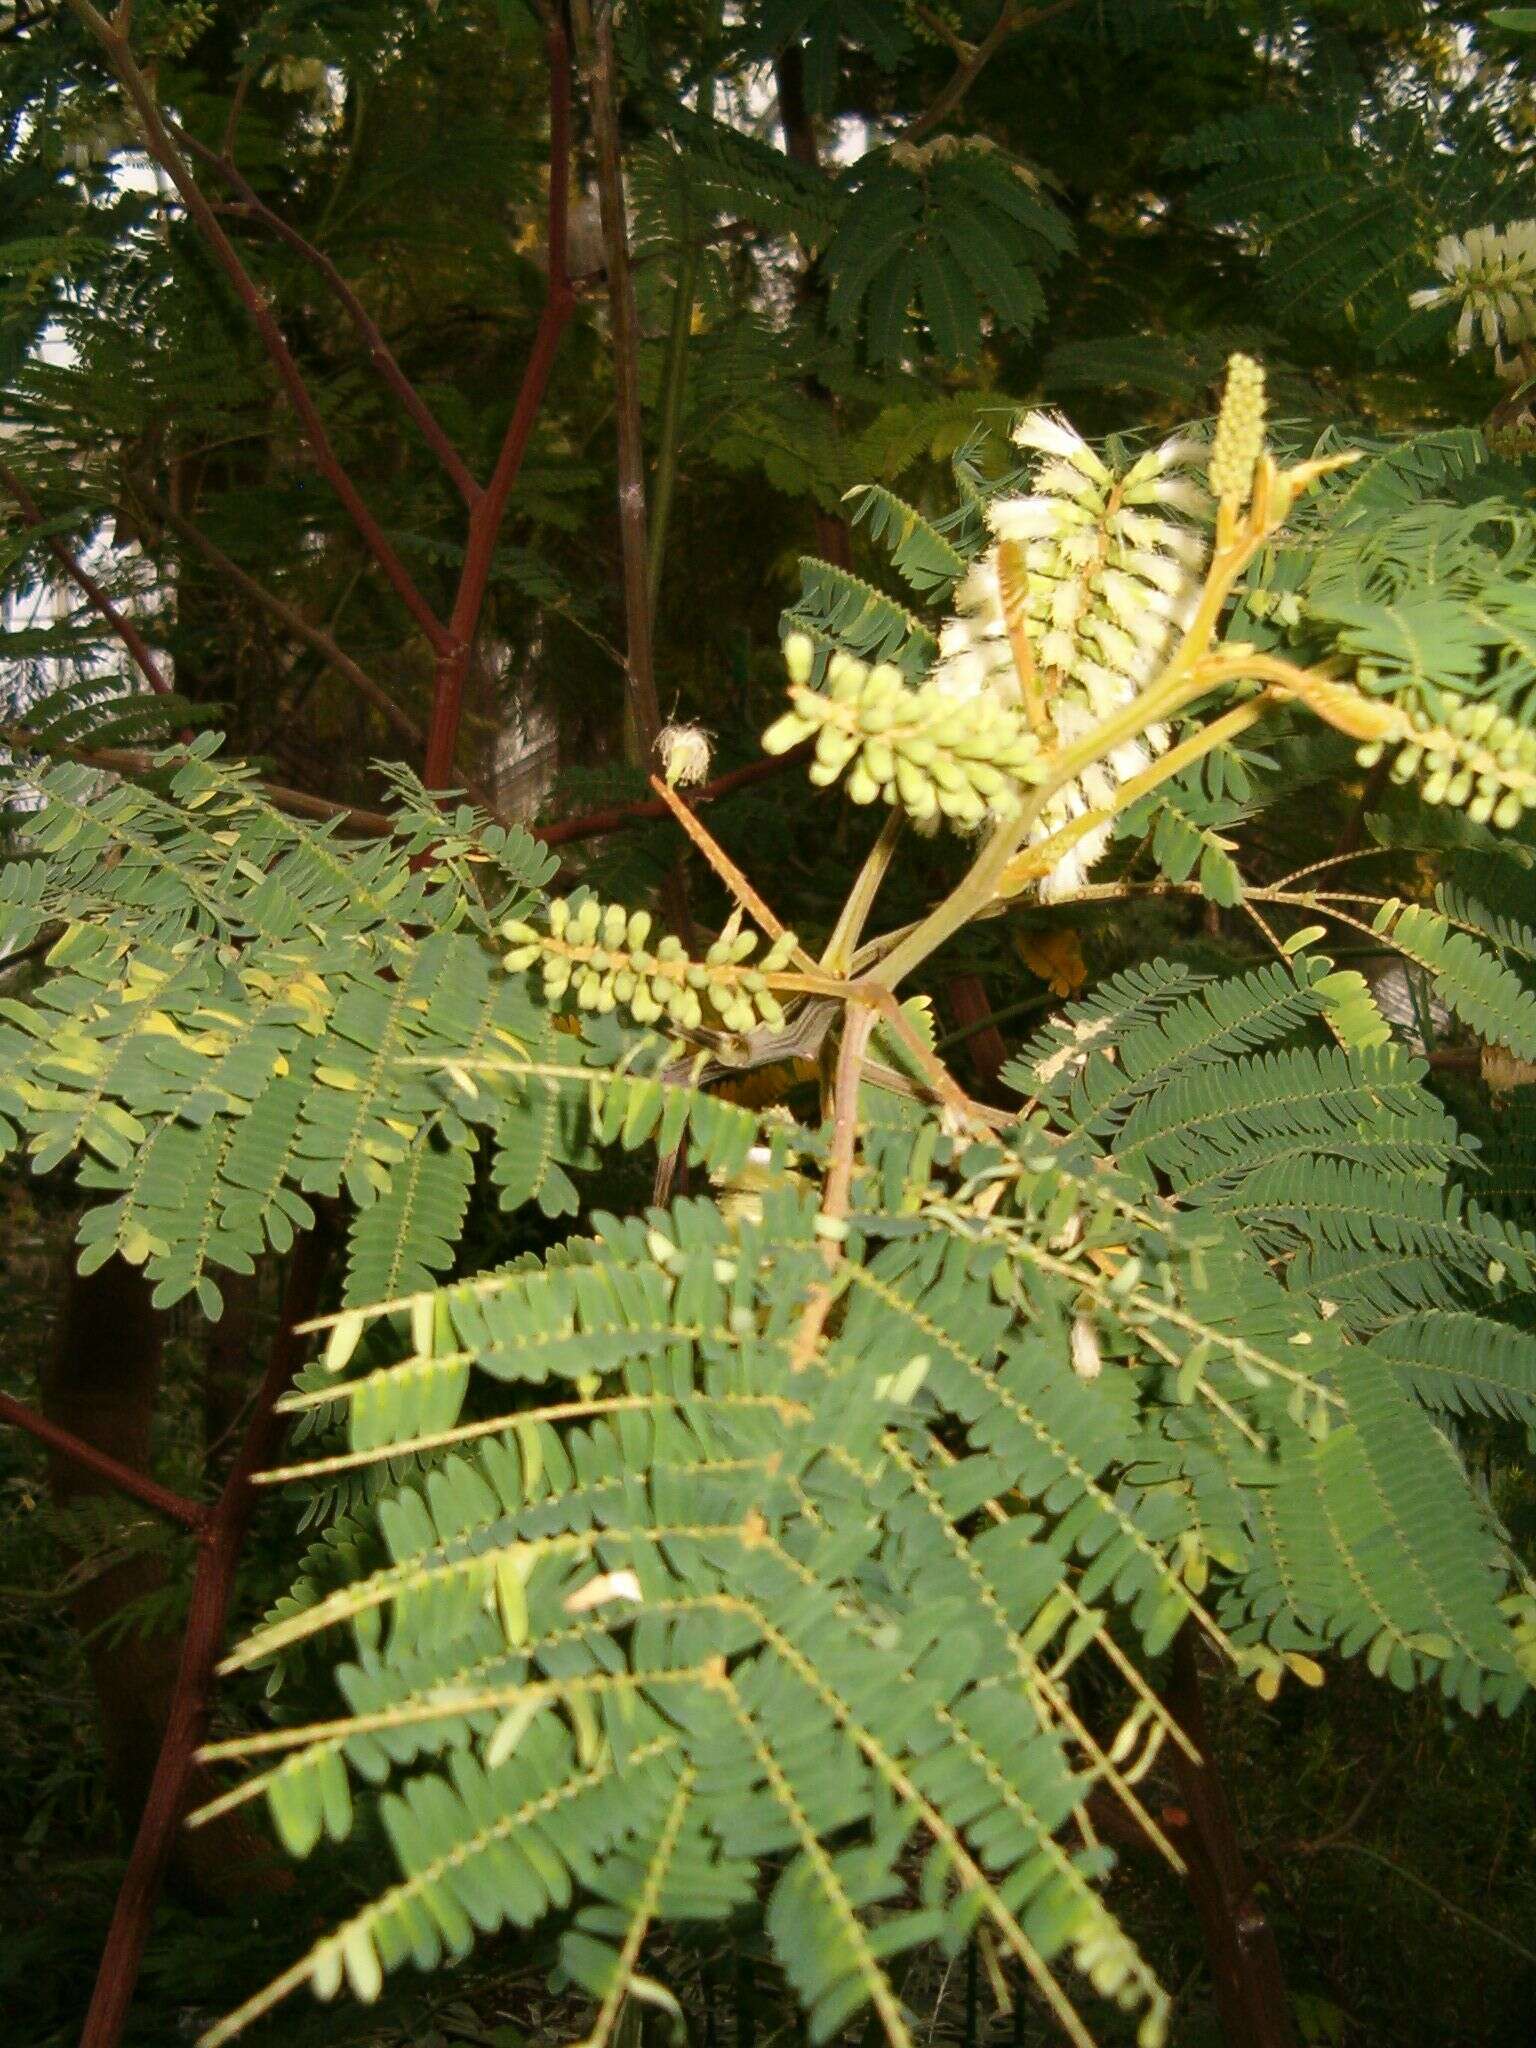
[101, 1384]
[1249, 1985]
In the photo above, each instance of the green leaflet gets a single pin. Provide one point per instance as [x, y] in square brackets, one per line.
[918, 550]
[789, 1610]
[836, 608]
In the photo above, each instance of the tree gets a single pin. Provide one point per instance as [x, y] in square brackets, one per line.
[1070, 1390]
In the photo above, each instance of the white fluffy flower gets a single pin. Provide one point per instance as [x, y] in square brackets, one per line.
[1104, 571]
[1050, 434]
[685, 754]
[1490, 274]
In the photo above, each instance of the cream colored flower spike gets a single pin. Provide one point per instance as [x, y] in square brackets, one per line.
[1078, 604]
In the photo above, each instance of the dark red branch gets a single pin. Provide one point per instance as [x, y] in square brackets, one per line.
[486, 518]
[620, 817]
[219, 1543]
[296, 803]
[126, 631]
[967, 1001]
[379, 352]
[137, 1485]
[157, 140]
[1246, 1975]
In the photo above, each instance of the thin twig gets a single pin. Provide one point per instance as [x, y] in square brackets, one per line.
[133, 640]
[945, 1087]
[839, 1182]
[728, 872]
[1010, 20]
[296, 803]
[379, 352]
[1483, 1927]
[159, 145]
[335, 658]
[620, 817]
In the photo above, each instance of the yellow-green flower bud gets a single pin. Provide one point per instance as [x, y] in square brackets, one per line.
[846, 677]
[786, 732]
[1239, 439]
[799, 656]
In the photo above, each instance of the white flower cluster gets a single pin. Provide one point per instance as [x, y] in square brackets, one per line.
[685, 754]
[1491, 274]
[1100, 573]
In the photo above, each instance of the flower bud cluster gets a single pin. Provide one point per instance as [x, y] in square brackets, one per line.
[932, 754]
[602, 955]
[1490, 274]
[1479, 760]
[1239, 439]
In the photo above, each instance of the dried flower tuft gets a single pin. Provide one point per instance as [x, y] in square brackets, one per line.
[685, 754]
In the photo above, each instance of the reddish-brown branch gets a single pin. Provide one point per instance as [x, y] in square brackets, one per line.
[126, 631]
[296, 803]
[967, 1001]
[1246, 1975]
[1011, 18]
[136, 1485]
[299, 803]
[219, 1542]
[620, 817]
[157, 141]
[379, 352]
[486, 518]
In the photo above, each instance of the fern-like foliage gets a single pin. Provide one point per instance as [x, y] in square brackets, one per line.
[683, 1565]
[741, 1551]
[1341, 194]
[955, 228]
[229, 1031]
[710, 1615]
